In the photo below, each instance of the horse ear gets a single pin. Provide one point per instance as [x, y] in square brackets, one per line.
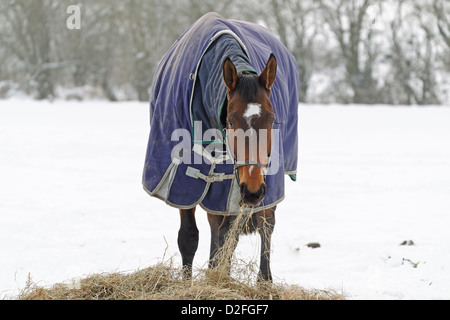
[230, 75]
[267, 77]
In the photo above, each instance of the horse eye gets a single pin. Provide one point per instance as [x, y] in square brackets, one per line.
[230, 124]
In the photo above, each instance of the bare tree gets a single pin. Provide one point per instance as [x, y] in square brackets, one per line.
[413, 54]
[347, 21]
[151, 27]
[28, 36]
[231, 9]
[294, 21]
[441, 10]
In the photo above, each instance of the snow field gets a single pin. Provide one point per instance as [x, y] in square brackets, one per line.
[71, 201]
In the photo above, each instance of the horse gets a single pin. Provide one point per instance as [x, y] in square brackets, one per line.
[222, 89]
[244, 91]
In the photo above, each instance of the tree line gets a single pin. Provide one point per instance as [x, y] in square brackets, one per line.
[348, 51]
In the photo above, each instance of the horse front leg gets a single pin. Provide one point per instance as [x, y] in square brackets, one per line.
[266, 224]
[187, 239]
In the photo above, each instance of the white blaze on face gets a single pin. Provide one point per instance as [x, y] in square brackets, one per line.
[251, 170]
[253, 109]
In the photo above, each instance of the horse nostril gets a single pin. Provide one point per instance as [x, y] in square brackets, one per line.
[243, 189]
[263, 190]
[253, 198]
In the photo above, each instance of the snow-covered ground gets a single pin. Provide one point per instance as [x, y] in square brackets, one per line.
[71, 201]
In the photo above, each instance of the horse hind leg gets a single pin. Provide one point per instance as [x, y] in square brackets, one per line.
[214, 223]
[187, 239]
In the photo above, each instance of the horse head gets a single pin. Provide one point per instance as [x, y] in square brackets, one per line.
[249, 124]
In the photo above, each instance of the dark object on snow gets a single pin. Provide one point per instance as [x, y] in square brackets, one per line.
[407, 243]
[313, 245]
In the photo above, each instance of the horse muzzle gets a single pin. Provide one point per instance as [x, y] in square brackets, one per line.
[253, 199]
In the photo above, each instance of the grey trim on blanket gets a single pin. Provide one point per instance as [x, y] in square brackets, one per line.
[193, 77]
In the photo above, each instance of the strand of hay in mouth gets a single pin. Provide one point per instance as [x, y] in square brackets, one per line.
[225, 254]
[165, 282]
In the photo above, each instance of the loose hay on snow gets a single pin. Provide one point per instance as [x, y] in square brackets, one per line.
[164, 282]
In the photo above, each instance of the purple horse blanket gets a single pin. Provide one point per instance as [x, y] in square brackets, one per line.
[186, 100]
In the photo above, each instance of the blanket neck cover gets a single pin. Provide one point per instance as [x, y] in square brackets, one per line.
[186, 100]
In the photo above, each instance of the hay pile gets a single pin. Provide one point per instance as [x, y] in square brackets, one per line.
[228, 281]
[164, 282]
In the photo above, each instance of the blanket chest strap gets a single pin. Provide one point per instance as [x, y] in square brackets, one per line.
[216, 177]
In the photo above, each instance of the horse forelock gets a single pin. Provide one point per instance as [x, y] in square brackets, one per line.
[248, 86]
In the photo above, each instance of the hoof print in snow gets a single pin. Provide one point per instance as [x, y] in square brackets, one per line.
[407, 243]
[313, 245]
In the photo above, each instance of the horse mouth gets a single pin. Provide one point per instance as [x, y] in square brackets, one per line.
[252, 199]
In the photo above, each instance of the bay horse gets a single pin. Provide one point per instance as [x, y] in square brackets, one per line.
[248, 107]
[238, 80]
